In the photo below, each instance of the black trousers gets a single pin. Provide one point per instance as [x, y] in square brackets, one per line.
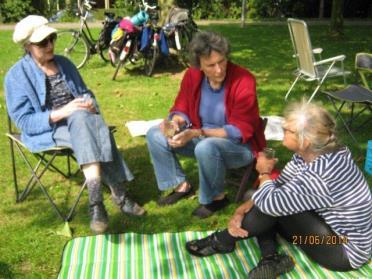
[307, 230]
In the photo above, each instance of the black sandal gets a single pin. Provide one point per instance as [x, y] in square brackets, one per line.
[174, 197]
[207, 210]
[208, 246]
[272, 266]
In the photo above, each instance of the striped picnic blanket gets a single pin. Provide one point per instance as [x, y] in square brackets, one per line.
[163, 255]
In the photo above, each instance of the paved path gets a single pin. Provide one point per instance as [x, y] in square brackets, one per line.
[98, 23]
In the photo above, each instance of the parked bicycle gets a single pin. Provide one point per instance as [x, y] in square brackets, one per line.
[180, 28]
[151, 52]
[127, 48]
[79, 45]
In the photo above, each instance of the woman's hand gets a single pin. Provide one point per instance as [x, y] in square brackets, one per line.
[182, 138]
[89, 106]
[70, 108]
[174, 125]
[235, 224]
[265, 165]
[169, 127]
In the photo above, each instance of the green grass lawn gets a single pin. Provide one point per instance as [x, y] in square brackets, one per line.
[29, 247]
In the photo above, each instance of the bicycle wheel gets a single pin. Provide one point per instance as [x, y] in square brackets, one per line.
[118, 66]
[104, 53]
[149, 57]
[71, 44]
[114, 51]
[123, 57]
[184, 40]
[103, 48]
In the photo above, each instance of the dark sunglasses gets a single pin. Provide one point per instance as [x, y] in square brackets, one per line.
[44, 43]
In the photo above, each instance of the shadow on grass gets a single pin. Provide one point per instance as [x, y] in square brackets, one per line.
[37, 211]
[165, 66]
[5, 271]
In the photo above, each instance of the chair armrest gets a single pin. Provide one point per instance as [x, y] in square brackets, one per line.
[317, 50]
[112, 128]
[329, 60]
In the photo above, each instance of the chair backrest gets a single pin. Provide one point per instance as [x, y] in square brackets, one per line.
[12, 129]
[10, 126]
[363, 65]
[302, 47]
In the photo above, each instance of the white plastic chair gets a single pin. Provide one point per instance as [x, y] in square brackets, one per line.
[308, 68]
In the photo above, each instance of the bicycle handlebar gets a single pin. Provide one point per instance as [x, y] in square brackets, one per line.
[88, 4]
[147, 6]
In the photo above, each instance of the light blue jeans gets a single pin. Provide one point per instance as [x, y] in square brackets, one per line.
[214, 156]
[90, 139]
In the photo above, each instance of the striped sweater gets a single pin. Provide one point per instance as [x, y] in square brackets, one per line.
[334, 187]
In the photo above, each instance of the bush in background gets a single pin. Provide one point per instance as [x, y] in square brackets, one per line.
[14, 10]
[219, 9]
[126, 7]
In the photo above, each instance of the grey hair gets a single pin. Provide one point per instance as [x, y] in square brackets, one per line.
[203, 43]
[314, 123]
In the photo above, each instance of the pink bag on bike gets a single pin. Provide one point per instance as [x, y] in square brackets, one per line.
[127, 25]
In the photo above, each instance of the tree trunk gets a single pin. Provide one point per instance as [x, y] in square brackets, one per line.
[337, 18]
[244, 12]
[321, 9]
[226, 6]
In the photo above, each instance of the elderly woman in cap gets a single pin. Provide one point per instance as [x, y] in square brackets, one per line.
[216, 119]
[320, 202]
[44, 95]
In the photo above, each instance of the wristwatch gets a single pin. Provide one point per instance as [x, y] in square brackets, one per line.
[262, 174]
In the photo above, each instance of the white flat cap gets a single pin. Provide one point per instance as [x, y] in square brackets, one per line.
[33, 29]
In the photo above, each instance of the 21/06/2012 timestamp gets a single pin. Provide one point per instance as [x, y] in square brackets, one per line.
[319, 239]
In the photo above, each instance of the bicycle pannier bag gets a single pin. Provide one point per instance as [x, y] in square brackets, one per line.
[177, 15]
[106, 32]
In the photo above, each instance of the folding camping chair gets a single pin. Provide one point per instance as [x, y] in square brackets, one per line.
[363, 66]
[355, 95]
[307, 67]
[45, 161]
[246, 172]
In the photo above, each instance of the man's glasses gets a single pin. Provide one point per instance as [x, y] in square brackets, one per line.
[44, 43]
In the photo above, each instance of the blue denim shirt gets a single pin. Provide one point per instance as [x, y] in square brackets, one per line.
[25, 89]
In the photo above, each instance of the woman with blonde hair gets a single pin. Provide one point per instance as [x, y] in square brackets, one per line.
[320, 195]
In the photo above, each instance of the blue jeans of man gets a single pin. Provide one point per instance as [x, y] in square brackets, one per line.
[214, 155]
[89, 137]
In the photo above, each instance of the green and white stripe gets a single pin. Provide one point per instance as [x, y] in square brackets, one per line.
[162, 256]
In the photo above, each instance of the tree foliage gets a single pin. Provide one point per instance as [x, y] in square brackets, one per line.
[14, 10]
[307, 9]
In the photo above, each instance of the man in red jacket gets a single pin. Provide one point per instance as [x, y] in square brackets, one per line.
[216, 119]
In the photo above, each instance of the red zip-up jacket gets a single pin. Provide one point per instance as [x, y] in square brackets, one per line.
[241, 106]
